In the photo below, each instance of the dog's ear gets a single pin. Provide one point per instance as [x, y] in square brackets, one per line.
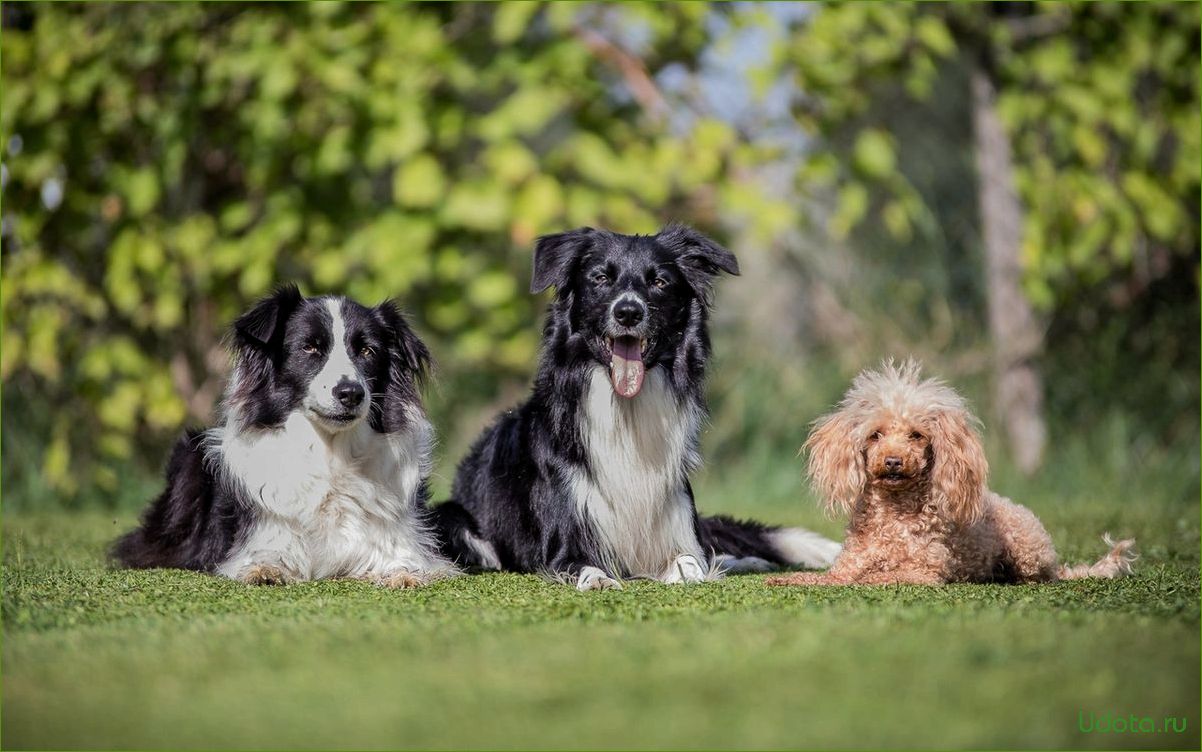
[263, 325]
[258, 343]
[413, 357]
[960, 471]
[556, 255]
[699, 258]
[408, 366]
[836, 462]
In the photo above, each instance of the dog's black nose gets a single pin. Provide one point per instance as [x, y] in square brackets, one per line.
[893, 464]
[628, 312]
[349, 394]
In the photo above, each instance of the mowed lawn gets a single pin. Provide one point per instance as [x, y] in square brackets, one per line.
[99, 658]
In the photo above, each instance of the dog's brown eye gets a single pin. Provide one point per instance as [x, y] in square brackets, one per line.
[876, 436]
[367, 352]
[915, 436]
[600, 279]
[660, 283]
[309, 348]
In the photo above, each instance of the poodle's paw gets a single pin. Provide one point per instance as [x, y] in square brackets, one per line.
[592, 578]
[401, 579]
[685, 568]
[262, 574]
[797, 578]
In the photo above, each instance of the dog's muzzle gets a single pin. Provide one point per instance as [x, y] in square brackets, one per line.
[625, 336]
[629, 311]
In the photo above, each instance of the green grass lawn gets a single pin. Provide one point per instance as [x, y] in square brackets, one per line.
[99, 658]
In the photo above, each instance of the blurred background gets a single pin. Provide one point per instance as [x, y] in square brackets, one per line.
[1008, 191]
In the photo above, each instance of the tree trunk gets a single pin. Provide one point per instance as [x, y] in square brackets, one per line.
[1016, 333]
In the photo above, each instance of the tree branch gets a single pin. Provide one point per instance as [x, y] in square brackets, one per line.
[631, 68]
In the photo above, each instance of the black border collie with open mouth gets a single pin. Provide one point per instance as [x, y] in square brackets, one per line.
[588, 480]
[319, 469]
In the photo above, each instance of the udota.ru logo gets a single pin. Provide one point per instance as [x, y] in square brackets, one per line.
[1113, 723]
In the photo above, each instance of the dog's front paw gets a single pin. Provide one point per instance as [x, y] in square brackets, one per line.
[262, 574]
[592, 578]
[401, 579]
[685, 568]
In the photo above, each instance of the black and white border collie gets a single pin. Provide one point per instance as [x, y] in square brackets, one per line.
[588, 480]
[320, 467]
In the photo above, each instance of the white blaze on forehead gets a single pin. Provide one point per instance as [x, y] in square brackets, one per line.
[339, 363]
[338, 366]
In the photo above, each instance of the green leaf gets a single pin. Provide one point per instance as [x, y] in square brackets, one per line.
[510, 161]
[933, 33]
[477, 205]
[142, 191]
[874, 155]
[492, 289]
[511, 19]
[419, 182]
[851, 207]
[897, 221]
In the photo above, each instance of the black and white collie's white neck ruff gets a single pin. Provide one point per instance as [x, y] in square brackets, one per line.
[319, 468]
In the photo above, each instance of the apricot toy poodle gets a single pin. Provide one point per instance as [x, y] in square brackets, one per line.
[902, 458]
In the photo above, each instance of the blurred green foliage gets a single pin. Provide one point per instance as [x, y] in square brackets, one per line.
[167, 163]
[164, 164]
[1101, 101]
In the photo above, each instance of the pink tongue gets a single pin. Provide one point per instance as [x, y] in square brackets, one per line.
[626, 366]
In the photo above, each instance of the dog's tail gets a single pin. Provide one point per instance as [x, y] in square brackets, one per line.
[748, 546]
[1117, 563]
[459, 537]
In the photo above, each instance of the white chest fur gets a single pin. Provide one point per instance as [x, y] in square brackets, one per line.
[640, 451]
[340, 505]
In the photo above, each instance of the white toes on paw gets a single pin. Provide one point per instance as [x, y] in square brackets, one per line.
[592, 578]
[401, 579]
[263, 574]
[686, 568]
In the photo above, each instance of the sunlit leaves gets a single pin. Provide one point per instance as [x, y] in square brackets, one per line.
[851, 207]
[198, 155]
[419, 182]
[933, 33]
[1101, 102]
[479, 204]
[873, 154]
[1094, 155]
[511, 20]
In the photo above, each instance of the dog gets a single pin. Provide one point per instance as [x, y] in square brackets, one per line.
[588, 480]
[901, 456]
[320, 467]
